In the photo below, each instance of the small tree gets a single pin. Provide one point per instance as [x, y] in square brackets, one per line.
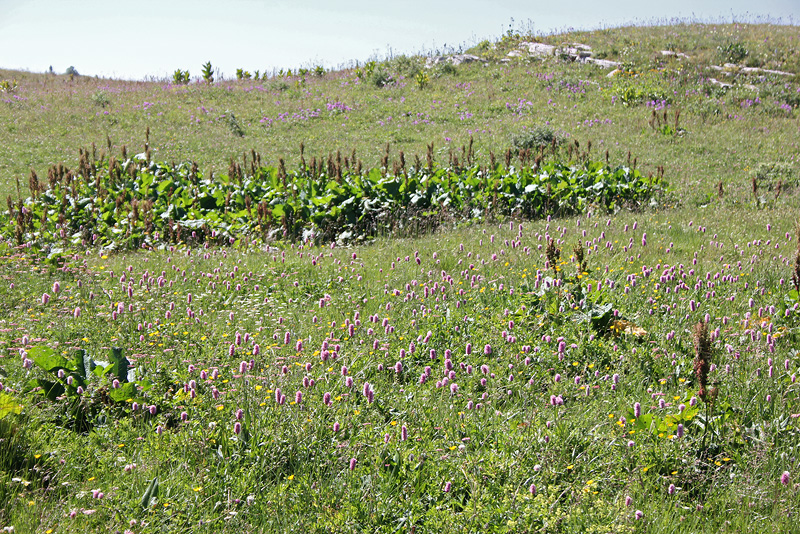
[72, 71]
[208, 72]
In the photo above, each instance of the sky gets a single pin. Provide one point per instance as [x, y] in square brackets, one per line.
[146, 39]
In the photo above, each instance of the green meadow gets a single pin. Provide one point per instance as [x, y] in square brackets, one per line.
[517, 294]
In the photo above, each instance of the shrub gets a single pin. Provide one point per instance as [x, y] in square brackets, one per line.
[366, 72]
[407, 66]
[233, 124]
[446, 69]
[534, 138]
[381, 78]
[8, 86]
[732, 52]
[769, 174]
[180, 77]
[422, 79]
[72, 71]
[101, 99]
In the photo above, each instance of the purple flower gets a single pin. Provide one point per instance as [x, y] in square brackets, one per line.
[785, 478]
[447, 487]
[487, 350]
[637, 410]
[352, 463]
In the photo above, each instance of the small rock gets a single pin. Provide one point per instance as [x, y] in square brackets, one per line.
[539, 49]
[756, 70]
[603, 63]
[672, 53]
[714, 81]
[455, 60]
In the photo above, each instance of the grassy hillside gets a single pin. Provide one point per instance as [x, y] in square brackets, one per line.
[610, 371]
[725, 134]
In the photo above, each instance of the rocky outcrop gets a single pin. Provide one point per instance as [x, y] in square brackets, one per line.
[729, 69]
[455, 60]
[573, 51]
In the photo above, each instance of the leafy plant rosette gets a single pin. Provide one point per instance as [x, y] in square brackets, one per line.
[86, 390]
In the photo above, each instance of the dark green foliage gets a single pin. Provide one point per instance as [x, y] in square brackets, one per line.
[155, 203]
[87, 387]
[233, 124]
[535, 138]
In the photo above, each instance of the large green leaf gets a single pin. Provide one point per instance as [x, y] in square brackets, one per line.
[119, 364]
[48, 360]
[8, 405]
[51, 390]
[126, 391]
[150, 493]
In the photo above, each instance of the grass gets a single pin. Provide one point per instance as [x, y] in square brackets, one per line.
[535, 369]
[48, 116]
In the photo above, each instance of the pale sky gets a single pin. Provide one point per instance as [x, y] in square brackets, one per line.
[149, 38]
